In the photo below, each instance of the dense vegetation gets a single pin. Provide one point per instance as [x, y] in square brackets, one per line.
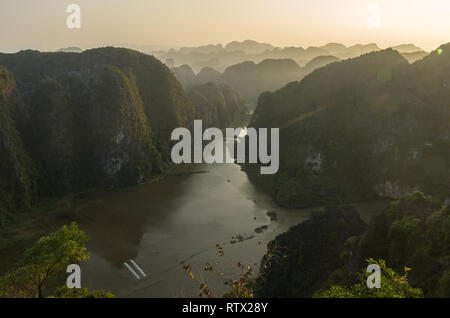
[413, 232]
[373, 126]
[218, 104]
[361, 128]
[100, 118]
[393, 286]
[17, 183]
[42, 272]
[327, 256]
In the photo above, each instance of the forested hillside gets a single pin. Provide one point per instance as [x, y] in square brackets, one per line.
[373, 126]
[324, 256]
[218, 104]
[100, 118]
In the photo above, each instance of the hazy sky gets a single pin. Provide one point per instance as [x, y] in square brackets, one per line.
[41, 24]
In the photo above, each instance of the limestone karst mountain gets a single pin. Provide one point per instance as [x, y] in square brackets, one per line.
[206, 75]
[318, 62]
[17, 184]
[184, 74]
[249, 46]
[218, 104]
[100, 118]
[248, 79]
[365, 127]
[220, 57]
[251, 79]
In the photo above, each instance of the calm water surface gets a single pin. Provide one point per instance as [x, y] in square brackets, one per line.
[179, 220]
[175, 221]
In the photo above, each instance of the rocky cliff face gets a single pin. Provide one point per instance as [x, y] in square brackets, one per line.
[100, 118]
[17, 184]
[364, 127]
[120, 134]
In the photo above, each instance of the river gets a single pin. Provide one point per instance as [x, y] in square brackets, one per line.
[179, 220]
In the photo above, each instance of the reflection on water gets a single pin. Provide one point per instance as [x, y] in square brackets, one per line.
[178, 220]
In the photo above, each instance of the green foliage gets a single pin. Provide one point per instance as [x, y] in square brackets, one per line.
[44, 262]
[413, 231]
[393, 285]
[362, 128]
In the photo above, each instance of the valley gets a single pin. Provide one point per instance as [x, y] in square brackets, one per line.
[86, 137]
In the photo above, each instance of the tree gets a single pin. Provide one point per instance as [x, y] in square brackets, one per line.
[45, 262]
[393, 285]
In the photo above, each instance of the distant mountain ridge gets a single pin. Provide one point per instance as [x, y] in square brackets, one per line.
[407, 48]
[251, 79]
[249, 46]
[248, 77]
[220, 57]
[71, 49]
